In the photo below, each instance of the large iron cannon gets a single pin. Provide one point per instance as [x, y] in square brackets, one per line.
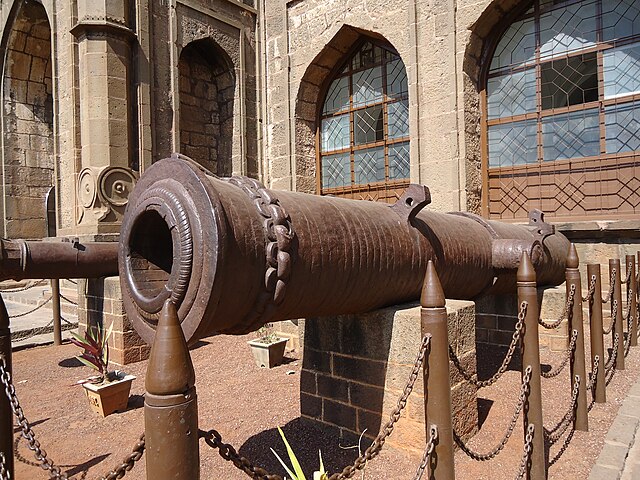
[233, 255]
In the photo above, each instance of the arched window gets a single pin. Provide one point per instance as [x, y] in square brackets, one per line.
[562, 112]
[364, 127]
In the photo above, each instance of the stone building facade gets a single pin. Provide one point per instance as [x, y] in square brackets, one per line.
[499, 106]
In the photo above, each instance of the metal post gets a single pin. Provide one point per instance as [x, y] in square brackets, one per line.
[597, 336]
[527, 292]
[6, 415]
[171, 404]
[581, 420]
[633, 305]
[617, 325]
[55, 307]
[437, 391]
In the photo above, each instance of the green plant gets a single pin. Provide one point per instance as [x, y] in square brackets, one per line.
[96, 351]
[266, 334]
[297, 473]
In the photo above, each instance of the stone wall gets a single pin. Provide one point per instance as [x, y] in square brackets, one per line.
[356, 366]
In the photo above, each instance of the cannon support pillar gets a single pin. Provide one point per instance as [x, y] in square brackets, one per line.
[170, 404]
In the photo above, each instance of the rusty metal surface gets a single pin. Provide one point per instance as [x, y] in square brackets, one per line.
[597, 336]
[233, 255]
[21, 259]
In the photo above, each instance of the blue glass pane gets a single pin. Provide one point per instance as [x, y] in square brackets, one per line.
[369, 165]
[512, 94]
[622, 123]
[397, 79]
[620, 18]
[368, 125]
[571, 135]
[337, 96]
[398, 119]
[567, 29]
[367, 87]
[336, 170]
[513, 144]
[517, 45]
[335, 133]
[622, 71]
[399, 161]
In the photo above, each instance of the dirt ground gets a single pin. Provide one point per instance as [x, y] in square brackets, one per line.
[246, 404]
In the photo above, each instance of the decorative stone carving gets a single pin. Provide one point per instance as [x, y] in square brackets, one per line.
[103, 193]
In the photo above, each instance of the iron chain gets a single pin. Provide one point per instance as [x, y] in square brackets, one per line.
[614, 353]
[226, 451]
[556, 432]
[565, 314]
[40, 453]
[568, 354]
[627, 279]
[4, 473]
[524, 393]
[527, 449]
[612, 280]
[592, 290]
[593, 382]
[614, 314]
[24, 314]
[428, 451]
[23, 289]
[507, 359]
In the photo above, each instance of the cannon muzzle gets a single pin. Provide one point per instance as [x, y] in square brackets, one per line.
[234, 255]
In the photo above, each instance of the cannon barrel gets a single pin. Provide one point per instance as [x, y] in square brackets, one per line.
[22, 259]
[234, 255]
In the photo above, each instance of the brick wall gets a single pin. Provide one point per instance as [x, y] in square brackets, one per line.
[356, 366]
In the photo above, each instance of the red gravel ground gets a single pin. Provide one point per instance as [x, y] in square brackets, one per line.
[246, 404]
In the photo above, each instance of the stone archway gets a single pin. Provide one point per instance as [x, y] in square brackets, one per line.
[27, 126]
[207, 89]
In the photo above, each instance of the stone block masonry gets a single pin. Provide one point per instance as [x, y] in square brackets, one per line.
[356, 366]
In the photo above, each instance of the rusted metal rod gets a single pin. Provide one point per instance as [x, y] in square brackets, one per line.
[527, 292]
[632, 288]
[55, 310]
[170, 404]
[581, 419]
[437, 391]
[618, 328]
[597, 335]
[6, 417]
[21, 259]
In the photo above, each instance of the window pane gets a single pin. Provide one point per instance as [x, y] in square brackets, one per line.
[369, 125]
[513, 94]
[622, 71]
[399, 161]
[569, 81]
[369, 165]
[397, 79]
[513, 144]
[571, 135]
[517, 45]
[568, 29]
[623, 127]
[337, 96]
[367, 87]
[368, 55]
[398, 119]
[336, 170]
[335, 133]
[620, 18]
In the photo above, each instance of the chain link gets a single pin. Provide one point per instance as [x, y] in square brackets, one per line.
[612, 281]
[526, 453]
[428, 451]
[614, 354]
[593, 382]
[554, 434]
[23, 289]
[4, 473]
[614, 314]
[568, 310]
[68, 300]
[226, 451]
[592, 290]
[481, 457]
[568, 354]
[628, 277]
[507, 359]
[41, 455]
[24, 314]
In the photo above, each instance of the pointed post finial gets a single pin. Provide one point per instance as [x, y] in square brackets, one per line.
[170, 370]
[526, 272]
[432, 293]
[572, 258]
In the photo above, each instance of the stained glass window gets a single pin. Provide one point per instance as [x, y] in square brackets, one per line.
[364, 127]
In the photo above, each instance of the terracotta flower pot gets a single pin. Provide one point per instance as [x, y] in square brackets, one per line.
[106, 398]
[268, 354]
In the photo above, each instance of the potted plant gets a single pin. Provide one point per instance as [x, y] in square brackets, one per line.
[268, 348]
[109, 390]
